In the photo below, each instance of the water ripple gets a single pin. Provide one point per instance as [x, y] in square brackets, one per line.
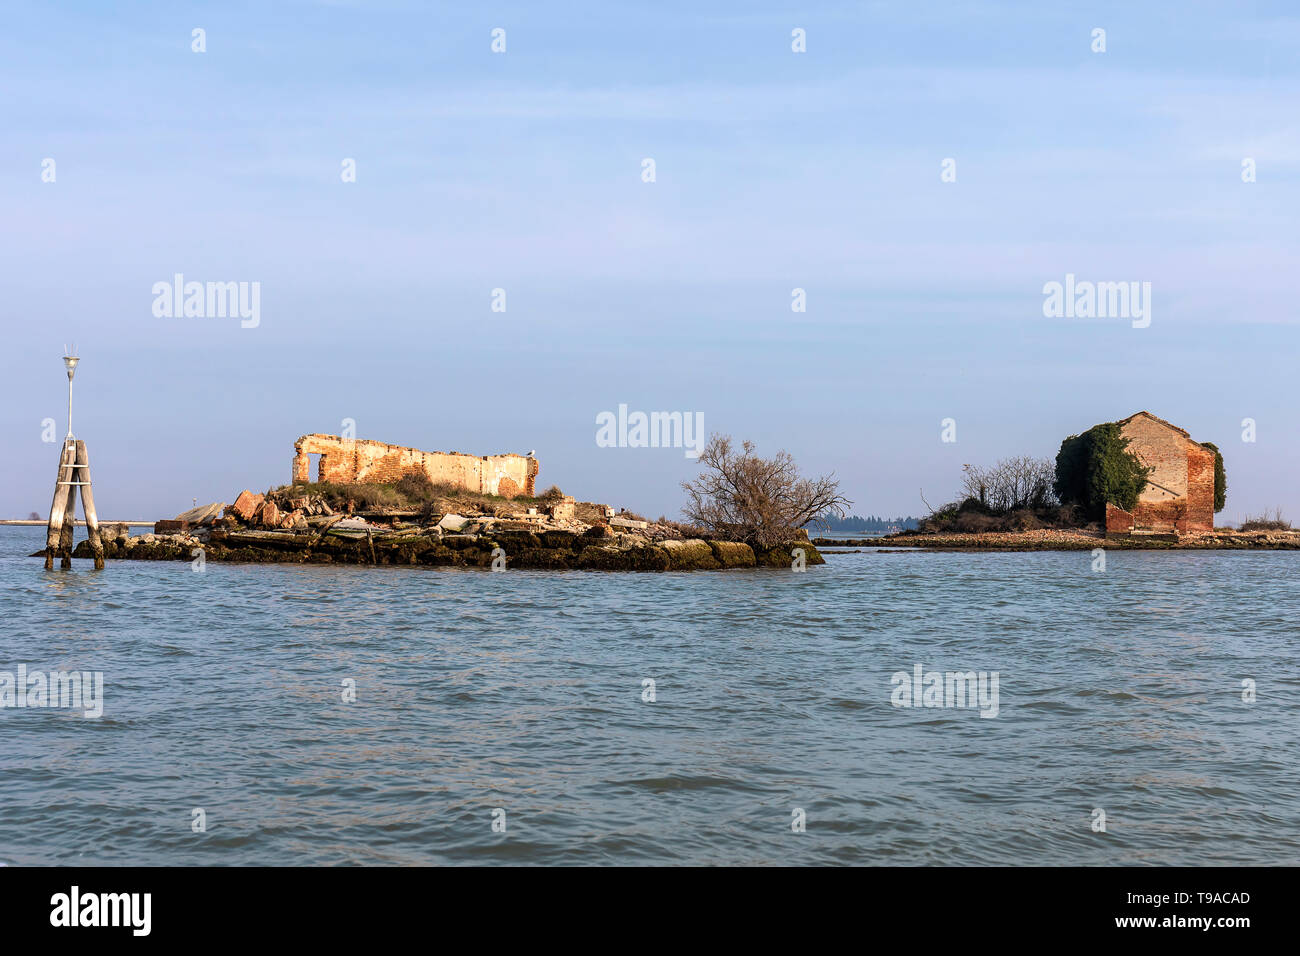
[523, 693]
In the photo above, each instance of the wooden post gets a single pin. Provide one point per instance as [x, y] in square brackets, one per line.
[59, 506]
[74, 473]
[69, 526]
[88, 505]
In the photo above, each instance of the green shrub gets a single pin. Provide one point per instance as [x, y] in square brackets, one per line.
[1220, 476]
[1095, 468]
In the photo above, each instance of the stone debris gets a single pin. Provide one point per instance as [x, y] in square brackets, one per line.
[629, 523]
[245, 506]
[563, 510]
[358, 524]
[295, 524]
[452, 522]
[202, 515]
[268, 515]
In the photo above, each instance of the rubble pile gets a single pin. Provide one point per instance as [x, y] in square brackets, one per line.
[284, 526]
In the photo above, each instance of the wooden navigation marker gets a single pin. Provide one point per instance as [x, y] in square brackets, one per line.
[59, 507]
[69, 524]
[74, 473]
[88, 505]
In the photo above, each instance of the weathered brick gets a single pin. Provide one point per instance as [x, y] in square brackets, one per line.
[358, 461]
[1179, 495]
[1118, 521]
[245, 505]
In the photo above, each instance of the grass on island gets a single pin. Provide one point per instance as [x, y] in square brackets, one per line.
[413, 493]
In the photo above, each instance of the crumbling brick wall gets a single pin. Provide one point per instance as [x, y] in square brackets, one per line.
[1118, 521]
[1179, 495]
[1200, 489]
[361, 461]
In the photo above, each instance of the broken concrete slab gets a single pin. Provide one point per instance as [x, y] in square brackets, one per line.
[453, 522]
[203, 514]
[353, 524]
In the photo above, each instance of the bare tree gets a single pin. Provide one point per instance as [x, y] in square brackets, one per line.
[1011, 484]
[743, 497]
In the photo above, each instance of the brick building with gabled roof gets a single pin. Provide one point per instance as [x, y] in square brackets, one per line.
[1179, 494]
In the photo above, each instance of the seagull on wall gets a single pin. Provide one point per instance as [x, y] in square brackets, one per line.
[532, 454]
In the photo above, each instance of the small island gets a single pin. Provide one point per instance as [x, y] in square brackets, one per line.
[378, 504]
[1138, 484]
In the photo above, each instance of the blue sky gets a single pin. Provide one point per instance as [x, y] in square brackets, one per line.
[522, 171]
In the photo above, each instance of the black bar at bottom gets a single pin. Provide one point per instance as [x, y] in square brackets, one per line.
[213, 905]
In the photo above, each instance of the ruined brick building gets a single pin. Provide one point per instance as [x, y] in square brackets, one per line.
[357, 461]
[1179, 495]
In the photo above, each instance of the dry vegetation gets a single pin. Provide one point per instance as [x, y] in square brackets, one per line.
[764, 501]
[414, 493]
[1016, 494]
[1277, 522]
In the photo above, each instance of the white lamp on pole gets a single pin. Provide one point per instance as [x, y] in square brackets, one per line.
[70, 361]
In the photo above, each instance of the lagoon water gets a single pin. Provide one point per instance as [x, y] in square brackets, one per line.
[1120, 691]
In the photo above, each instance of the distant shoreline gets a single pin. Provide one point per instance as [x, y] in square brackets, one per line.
[1073, 540]
[41, 522]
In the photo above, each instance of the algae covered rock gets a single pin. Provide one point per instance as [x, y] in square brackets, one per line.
[693, 554]
[551, 549]
[549, 559]
[559, 539]
[517, 540]
[732, 554]
[596, 558]
[782, 555]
